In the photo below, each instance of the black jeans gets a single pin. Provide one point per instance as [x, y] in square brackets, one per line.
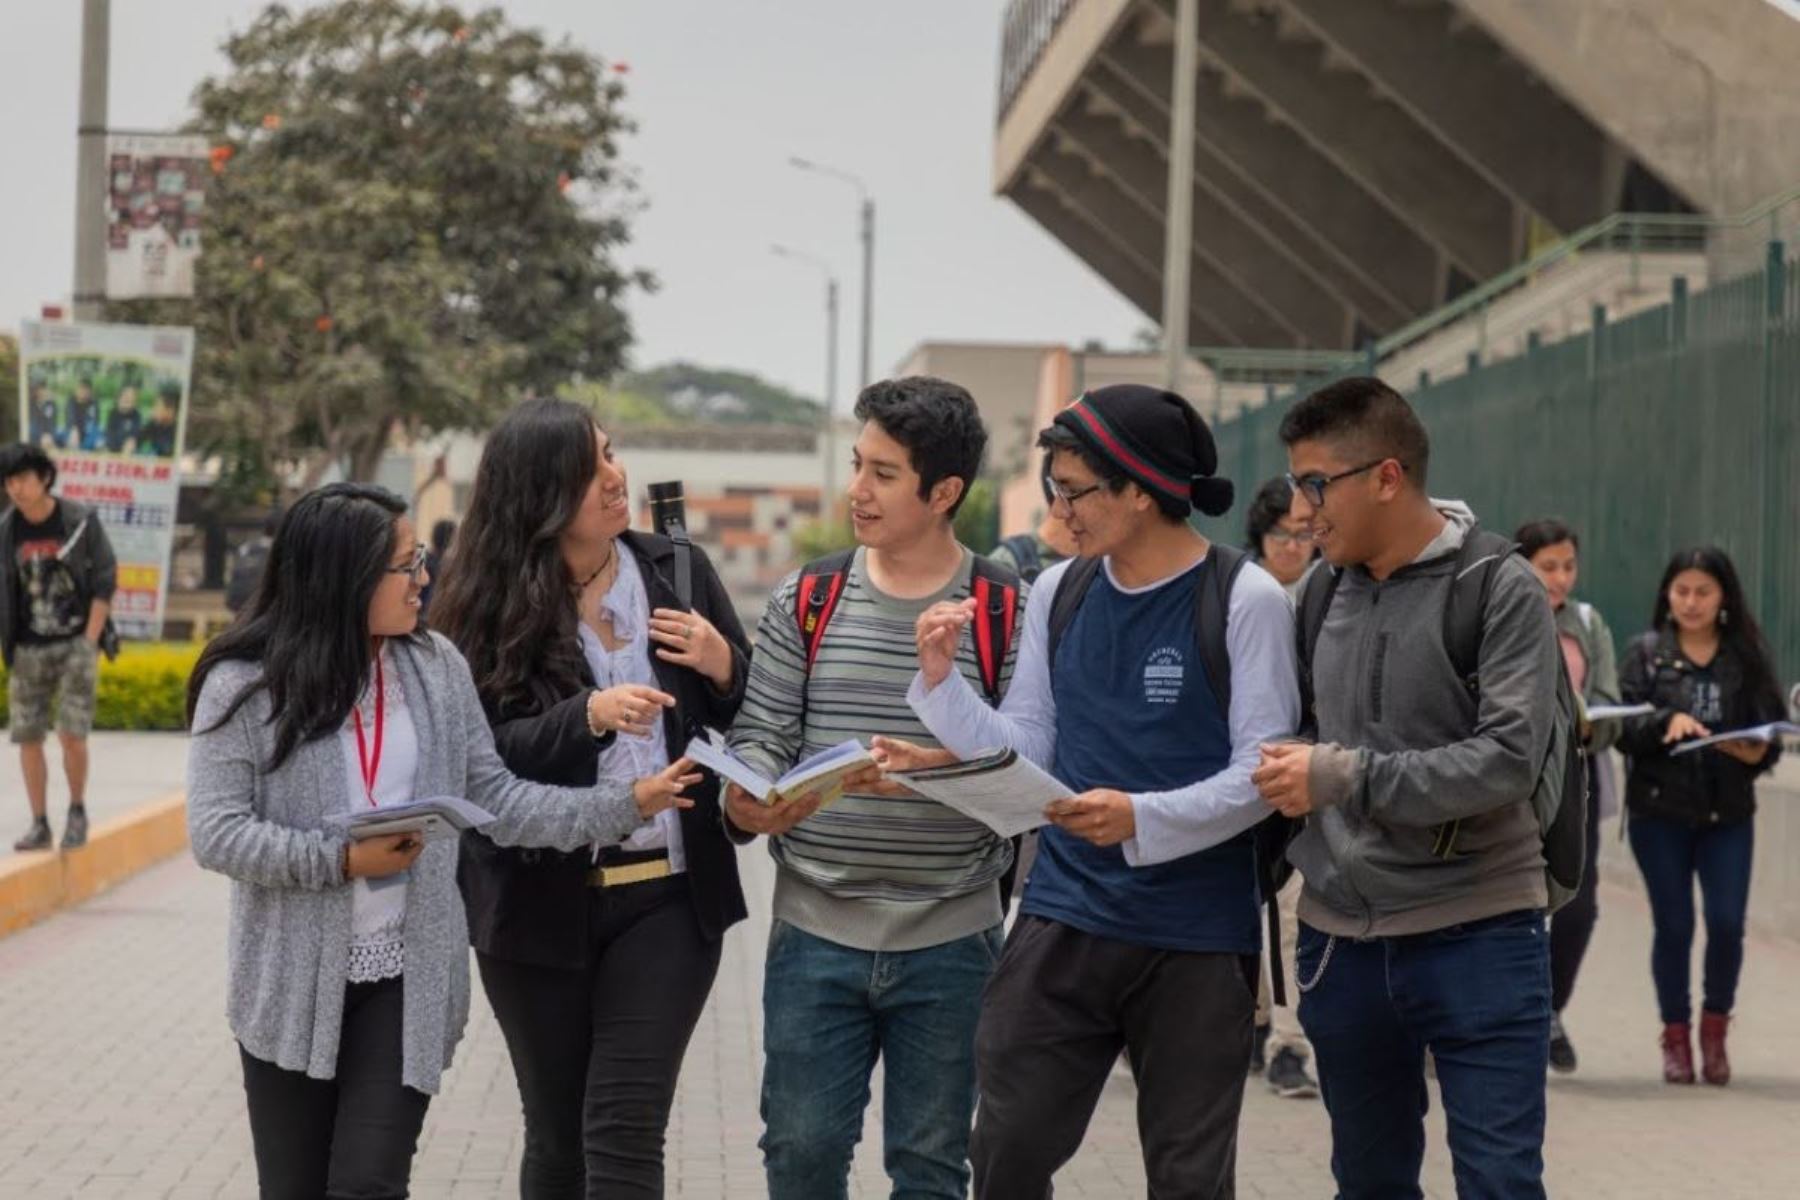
[1059, 1008]
[597, 1050]
[348, 1138]
[1573, 925]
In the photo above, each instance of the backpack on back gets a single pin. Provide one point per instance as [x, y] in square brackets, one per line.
[1024, 550]
[1559, 798]
[1213, 582]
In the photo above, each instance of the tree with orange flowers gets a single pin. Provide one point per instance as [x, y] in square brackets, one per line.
[414, 221]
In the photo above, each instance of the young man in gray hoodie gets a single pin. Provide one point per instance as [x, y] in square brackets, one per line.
[1422, 917]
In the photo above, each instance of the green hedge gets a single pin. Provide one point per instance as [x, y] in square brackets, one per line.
[145, 689]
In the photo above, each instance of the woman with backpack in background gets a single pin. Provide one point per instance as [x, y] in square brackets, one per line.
[1283, 547]
[1553, 551]
[1704, 665]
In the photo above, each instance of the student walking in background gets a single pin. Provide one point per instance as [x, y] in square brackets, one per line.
[1282, 545]
[1554, 552]
[1704, 665]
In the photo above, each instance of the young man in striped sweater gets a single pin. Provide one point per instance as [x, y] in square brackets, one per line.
[887, 910]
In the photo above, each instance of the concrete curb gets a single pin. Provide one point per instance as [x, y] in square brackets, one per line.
[32, 886]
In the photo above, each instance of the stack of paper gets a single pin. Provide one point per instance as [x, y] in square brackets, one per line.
[1756, 733]
[432, 818]
[1003, 791]
[824, 771]
[1618, 712]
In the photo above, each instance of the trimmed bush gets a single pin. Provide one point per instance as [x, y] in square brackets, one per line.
[146, 689]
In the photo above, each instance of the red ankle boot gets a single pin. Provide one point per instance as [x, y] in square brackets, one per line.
[1678, 1053]
[1714, 1066]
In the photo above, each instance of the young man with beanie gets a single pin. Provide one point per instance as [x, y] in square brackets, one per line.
[1139, 927]
[1423, 908]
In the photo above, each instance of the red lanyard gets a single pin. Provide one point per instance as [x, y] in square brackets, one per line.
[370, 765]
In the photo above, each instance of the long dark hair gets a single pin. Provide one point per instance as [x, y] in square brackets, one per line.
[308, 623]
[506, 597]
[1738, 631]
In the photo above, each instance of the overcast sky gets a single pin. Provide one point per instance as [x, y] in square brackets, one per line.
[724, 92]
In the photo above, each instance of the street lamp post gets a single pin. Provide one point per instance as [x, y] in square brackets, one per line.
[90, 161]
[867, 233]
[828, 496]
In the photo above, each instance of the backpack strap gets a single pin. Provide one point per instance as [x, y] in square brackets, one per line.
[1212, 609]
[816, 598]
[1070, 591]
[1316, 593]
[996, 593]
[1465, 610]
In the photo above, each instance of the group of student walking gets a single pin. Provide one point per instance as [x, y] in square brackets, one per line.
[1155, 674]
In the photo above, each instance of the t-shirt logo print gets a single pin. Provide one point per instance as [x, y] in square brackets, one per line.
[1164, 673]
[52, 601]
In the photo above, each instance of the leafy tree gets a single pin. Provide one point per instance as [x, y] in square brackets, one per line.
[414, 223]
[9, 388]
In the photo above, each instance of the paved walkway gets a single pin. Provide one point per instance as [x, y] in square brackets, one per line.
[124, 770]
[118, 1078]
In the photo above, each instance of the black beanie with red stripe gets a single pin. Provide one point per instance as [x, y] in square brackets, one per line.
[1157, 439]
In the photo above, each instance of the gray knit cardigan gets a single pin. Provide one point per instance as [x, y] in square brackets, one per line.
[290, 903]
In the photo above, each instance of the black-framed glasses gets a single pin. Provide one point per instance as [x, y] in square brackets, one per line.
[1070, 495]
[414, 565]
[1286, 537]
[1313, 484]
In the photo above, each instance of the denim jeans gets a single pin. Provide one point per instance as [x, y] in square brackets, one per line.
[829, 1012]
[1478, 997]
[1671, 854]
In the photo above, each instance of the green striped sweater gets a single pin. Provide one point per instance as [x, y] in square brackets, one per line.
[869, 872]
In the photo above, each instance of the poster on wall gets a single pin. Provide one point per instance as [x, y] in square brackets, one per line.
[155, 201]
[109, 403]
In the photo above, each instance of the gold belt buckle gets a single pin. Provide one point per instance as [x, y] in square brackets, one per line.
[638, 872]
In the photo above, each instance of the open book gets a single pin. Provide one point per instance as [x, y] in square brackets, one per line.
[1756, 733]
[432, 818]
[824, 771]
[1003, 791]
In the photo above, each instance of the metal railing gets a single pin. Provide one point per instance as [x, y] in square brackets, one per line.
[1025, 31]
[1736, 244]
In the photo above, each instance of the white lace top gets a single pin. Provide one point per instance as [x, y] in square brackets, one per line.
[378, 907]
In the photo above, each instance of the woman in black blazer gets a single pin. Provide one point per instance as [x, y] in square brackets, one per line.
[597, 963]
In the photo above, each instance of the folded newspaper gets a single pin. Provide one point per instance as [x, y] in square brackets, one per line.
[1003, 791]
[432, 818]
[824, 771]
[1756, 733]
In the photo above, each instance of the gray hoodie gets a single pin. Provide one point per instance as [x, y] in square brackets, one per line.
[1409, 763]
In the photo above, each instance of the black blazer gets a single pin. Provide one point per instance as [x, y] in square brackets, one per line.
[530, 906]
[1704, 787]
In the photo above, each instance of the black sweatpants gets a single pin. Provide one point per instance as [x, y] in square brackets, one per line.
[1059, 1008]
[348, 1138]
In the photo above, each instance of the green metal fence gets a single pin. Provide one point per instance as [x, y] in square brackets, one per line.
[1672, 428]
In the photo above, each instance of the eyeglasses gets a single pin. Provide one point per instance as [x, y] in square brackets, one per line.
[1313, 485]
[1070, 495]
[414, 565]
[1283, 537]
